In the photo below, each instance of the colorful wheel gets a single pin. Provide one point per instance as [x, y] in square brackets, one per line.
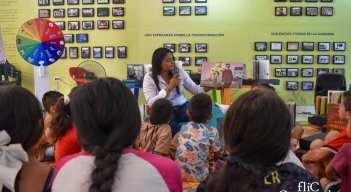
[40, 42]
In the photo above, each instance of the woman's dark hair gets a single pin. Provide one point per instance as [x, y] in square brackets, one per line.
[200, 107]
[107, 118]
[257, 130]
[346, 99]
[161, 111]
[157, 57]
[20, 115]
[61, 120]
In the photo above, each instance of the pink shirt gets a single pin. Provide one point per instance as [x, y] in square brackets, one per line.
[137, 171]
[342, 164]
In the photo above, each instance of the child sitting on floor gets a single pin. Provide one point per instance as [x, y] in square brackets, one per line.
[45, 150]
[341, 162]
[155, 136]
[197, 140]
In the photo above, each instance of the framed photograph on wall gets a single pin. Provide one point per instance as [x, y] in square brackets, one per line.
[261, 57]
[167, 1]
[186, 61]
[103, 1]
[339, 46]
[72, 12]
[97, 52]
[279, 0]
[69, 38]
[86, 2]
[58, 13]
[118, 1]
[168, 10]
[327, 1]
[43, 2]
[260, 46]
[295, 0]
[295, 11]
[200, 47]
[311, 11]
[117, 24]
[307, 59]
[340, 71]
[321, 71]
[73, 52]
[276, 46]
[280, 72]
[85, 52]
[338, 59]
[122, 51]
[276, 59]
[323, 46]
[58, 2]
[184, 1]
[311, 0]
[292, 46]
[292, 72]
[326, 11]
[82, 38]
[109, 52]
[44, 13]
[200, 1]
[184, 10]
[200, 10]
[200, 60]
[103, 12]
[307, 72]
[117, 11]
[170, 46]
[184, 48]
[292, 85]
[72, 2]
[323, 59]
[281, 11]
[88, 12]
[103, 24]
[292, 59]
[307, 85]
[73, 25]
[87, 25]
[60, 24]
[307, 46]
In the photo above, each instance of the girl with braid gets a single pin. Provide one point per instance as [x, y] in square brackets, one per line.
[257, 130]
[107, 120]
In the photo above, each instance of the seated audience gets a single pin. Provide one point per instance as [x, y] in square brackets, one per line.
[197, 140]
[21, 128]
[45, 151]
[62, 131]
[107, 119]
[155, 136]
[256, 140]
[340, 165]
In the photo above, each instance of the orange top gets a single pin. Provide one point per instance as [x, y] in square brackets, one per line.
[68, 144]
[335, 144]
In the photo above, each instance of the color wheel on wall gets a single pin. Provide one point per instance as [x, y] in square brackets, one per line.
[40, 42]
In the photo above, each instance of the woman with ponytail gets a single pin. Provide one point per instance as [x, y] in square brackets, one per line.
[107, 119]
[257, 129]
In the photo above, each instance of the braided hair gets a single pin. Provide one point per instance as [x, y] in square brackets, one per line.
[257, 129]
[107, 119]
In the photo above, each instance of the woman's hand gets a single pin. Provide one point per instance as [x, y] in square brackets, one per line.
[174, 82]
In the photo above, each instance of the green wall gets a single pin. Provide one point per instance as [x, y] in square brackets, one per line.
[242, 22]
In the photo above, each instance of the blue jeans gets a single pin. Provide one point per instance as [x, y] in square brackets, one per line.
[178, 115]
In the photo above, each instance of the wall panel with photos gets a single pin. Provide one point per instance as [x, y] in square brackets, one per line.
[229, 30]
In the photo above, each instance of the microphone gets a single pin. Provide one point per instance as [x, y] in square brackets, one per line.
[175, 71]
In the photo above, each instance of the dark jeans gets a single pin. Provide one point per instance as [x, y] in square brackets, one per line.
[178, 116]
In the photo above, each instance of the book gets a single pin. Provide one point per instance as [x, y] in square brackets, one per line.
[222, 74]
[333, 119]
[334, 96]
